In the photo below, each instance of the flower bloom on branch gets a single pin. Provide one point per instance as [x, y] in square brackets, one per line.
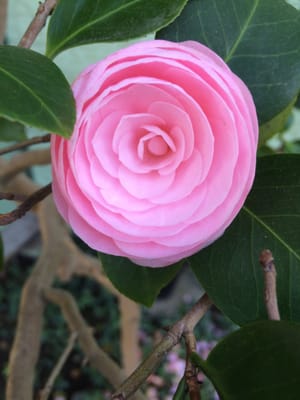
[162, 155]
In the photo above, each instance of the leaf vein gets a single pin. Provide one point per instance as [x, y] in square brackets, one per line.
[239, 38]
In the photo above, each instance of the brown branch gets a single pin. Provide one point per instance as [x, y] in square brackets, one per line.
[26, 345]
[12, 196]
[27, 205]
[25, 143]
[58, 367]
[267, 261]
[3, 17]
[37, 24]
[130, 314]
[85, 265]
[184, 325]
[22, 161]
[190, 370]
[95, 355]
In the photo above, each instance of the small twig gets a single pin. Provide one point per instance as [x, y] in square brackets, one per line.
[190, 370]
[27, 205]
[37, 24]
[184, 325]
[130, 315]
[58, 367]
[267, 261]
[95, 355]
[26, 143]
[12, 196]
[3, 17]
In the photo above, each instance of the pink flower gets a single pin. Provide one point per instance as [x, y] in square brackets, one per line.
[162, 155]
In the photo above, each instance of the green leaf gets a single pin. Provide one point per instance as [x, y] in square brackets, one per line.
[297, 104]
[77, 22]
[181, 390]
[260, 361]
[259, 39]
[141, 284]
[11, 131]
[276, 125]
[229, 269]
[34, 91]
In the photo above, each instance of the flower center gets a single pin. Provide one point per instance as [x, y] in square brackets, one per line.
[156, 142]
[157, 146]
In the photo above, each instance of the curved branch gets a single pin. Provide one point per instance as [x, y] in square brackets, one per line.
[3, 17]
[96, 356]
[27, 205]
[26, 345]
[37, 24]
[22, 161]
[184, 325]
[58, 367]
[25, 143]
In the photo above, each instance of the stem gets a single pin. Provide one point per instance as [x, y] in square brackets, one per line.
[26, 143]
[96, 356]
[267, 261]
[190, 370]
[26, 345]
[22, 161]
[27, 205]
[11, 196]
[186, 324]
[3, 17]
[58, 367]
[37, 24]
[130, 315]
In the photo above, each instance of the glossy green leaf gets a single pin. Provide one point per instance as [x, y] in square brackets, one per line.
[141, 284]
[181, 390]
[297, 104]
[77, 22]
[276, 125]
[259, 39]
[34, 91]
[260, 361]
[11, 131]
[229, 269]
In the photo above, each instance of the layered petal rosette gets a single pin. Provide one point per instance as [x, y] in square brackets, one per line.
[162, 155]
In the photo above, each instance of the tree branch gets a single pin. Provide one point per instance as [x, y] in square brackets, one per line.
[96, 356]
[22, 161]
[26, 345]
[37, 24]
[26, 143]
[3, 17]
[130, 314]
[190, 373]
[184, 325]
[57, 369]
[27, 205]
[11, 196]
[267, 261]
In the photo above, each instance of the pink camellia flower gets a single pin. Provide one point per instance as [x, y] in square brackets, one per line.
[162, 155]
